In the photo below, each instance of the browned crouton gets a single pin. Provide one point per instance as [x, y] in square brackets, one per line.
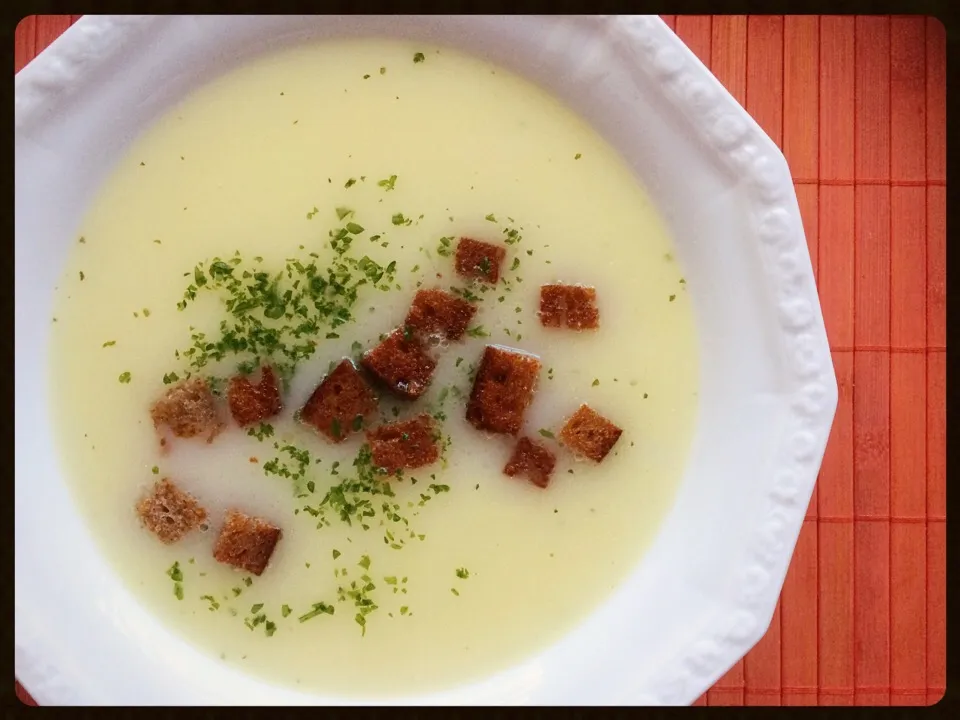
[502, 390]
[438, 313]
[251, 403]
[405, 444]
[401, 364]
[246, 542]
[573, 306]
[589, 434]
[188, 409]
[339, 404]
[533, 460]
[478, 259]
[169, 512]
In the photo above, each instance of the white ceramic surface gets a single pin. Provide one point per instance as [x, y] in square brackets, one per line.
[704, 593]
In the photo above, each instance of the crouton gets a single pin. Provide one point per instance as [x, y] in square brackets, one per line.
[589, 434]
[502, 389]
[401, 364]
[251, 403]
[406, 444]
[478, 259]
[169, 512]
[437, 313]
[532, 460]
[188, 409]
[246, 542]
[573, 306]
[340, 403]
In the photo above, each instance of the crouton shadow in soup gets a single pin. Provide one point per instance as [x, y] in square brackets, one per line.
[393, 371]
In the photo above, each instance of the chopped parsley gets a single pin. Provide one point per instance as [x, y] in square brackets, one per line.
[463, 573]
[264, 430]
[320, 608]
[176, 574]
[577, 156]
[214, 605]
[491, 217]
[546, 433]
[596, 381]
[125, 377]
[418, 57]
[388, 183]
[478, 332]
[672, 298]
[285, 610]
[109, 343]
[443, 249]
[81, 275]
[281, 315]
[155, 470]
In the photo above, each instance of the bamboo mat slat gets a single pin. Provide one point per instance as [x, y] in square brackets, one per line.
[858, 105]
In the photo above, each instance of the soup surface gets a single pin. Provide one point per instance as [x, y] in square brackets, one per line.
[469, 570]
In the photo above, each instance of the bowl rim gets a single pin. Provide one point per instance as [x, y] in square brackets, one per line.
[805, 411]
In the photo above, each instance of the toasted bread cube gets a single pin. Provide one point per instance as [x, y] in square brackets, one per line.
[437, 313]
[478, 259]
[407, 444]
[532, 460]
[589, 434]
[401, 364]
[246, 542]
[340, 403]
[502, 389]
[573, 306]
[188, 409]
[252, 403]
[169, 512]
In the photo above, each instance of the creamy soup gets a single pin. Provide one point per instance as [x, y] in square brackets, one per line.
[469, 570]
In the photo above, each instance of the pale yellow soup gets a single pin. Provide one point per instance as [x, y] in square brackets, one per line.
[254, 165]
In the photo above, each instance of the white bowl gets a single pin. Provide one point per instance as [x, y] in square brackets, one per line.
[702, 595]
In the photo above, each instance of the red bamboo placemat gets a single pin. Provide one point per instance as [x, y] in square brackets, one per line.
[858, 105]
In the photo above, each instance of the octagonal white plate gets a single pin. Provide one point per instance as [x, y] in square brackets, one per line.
[704, 593]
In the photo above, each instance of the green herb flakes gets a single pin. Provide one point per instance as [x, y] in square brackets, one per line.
[418, 57]
[109, 343]
[463, 573]
[320, 608]
[125, 377]
[285, 610]
[388, 183]
[546, 433]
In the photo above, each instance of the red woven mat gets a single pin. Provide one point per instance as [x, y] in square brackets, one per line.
[858, 105]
